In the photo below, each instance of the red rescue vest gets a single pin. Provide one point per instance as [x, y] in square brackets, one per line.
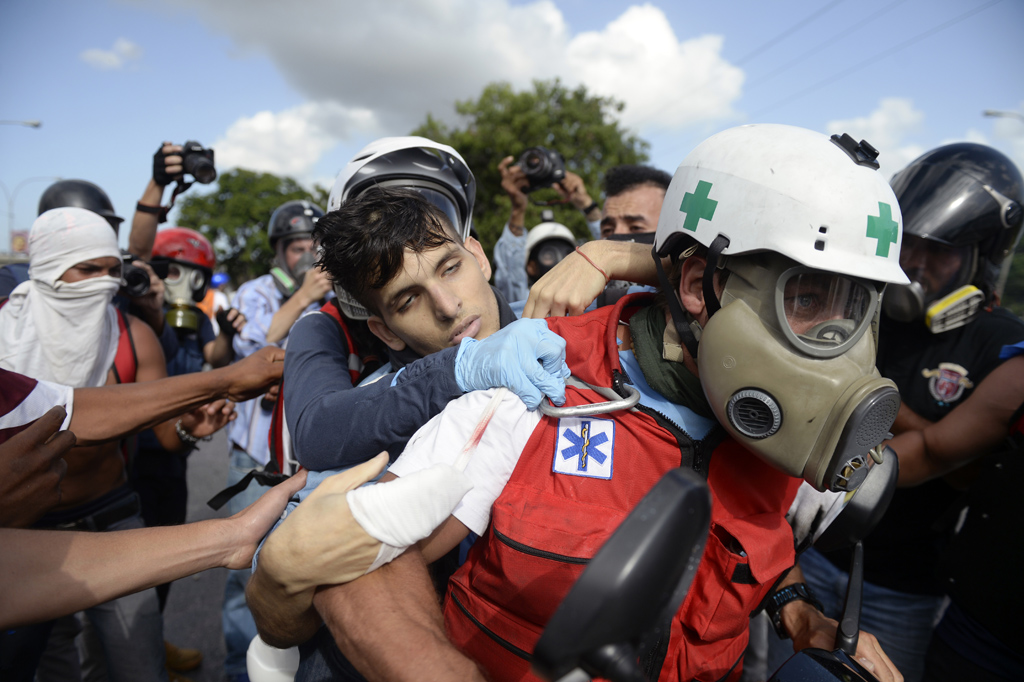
[545, 526]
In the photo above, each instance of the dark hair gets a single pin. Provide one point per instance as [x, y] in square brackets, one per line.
[362, 244]
[624, 178]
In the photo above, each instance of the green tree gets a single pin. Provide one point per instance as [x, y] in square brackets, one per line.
[582, 127]
[234, 217]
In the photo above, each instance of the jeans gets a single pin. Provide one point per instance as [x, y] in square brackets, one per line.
[901, 622]
[239, 627]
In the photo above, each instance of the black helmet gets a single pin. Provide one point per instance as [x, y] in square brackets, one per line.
[966, 198]
[293, 219]
[435, 170]
[79, 194]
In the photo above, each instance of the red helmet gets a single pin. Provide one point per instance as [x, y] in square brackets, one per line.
[185, 246]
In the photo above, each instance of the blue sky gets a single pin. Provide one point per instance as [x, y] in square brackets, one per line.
[296, 88]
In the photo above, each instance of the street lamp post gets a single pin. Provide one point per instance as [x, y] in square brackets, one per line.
[993, 113]
[30, 124]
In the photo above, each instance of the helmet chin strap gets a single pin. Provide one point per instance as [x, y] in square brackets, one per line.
[711, 302]
[687, 327]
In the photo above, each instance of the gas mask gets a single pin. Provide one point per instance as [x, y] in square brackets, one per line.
[289, 280]
[938, 292]
[788, 366]
[184, 287]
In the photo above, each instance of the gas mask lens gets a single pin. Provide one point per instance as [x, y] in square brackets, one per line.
[822, 313]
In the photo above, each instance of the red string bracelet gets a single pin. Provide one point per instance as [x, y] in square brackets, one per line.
[585, 256]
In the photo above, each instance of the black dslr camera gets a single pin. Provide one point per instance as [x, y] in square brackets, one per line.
[196, 160]
[136, 280]
[543, 167]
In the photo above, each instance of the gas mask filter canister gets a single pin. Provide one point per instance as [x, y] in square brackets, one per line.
[788, 366]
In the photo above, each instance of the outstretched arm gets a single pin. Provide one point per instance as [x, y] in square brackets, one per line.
[574, 283]
[112, 412]
[974, 428]
[64, 572]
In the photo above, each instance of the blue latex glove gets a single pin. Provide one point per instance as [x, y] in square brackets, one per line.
[525, 357]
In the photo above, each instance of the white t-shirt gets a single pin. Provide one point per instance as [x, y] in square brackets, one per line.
[443, 438]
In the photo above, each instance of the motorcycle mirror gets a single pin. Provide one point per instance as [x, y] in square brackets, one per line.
[624, 600]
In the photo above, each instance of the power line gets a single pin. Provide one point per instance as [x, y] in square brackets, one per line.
[827, 43]
[787, 33]
[871, 60]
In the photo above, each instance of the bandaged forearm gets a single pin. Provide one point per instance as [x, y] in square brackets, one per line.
[404, 511]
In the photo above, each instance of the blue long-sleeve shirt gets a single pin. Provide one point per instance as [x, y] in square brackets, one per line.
[331, 424]
[334, 425]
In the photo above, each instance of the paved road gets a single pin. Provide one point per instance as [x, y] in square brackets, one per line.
[192, 616]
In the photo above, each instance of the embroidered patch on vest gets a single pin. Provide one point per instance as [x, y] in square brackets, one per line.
[948, 382]
[585, 447]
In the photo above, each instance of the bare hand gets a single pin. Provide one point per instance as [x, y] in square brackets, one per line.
[248, 526]
[320, 542]
[567, 289]
[514, 182]
[252, 376]
[31, 469]
[810, 628]
[315, 285]
[573, 190]
[207, 420]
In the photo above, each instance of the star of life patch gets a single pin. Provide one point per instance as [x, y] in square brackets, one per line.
[585, 447]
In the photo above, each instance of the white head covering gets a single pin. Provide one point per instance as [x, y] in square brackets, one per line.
[58, 331]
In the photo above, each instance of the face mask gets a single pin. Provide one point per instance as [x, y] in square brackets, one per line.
[788, 366]
[183, 288]
[938, 293]
[288, 280]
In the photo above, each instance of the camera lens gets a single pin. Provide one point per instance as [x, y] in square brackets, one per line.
[535, 163]
[136, 280]
[200, 168]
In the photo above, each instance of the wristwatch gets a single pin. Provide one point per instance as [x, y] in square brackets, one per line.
[787, 594]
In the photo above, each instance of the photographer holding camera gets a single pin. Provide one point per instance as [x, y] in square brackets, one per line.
[536, 168]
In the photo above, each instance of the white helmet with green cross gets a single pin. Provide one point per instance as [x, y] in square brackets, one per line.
[819, 201]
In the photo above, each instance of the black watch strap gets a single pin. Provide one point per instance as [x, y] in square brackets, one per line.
[787, 594]
[590, 208]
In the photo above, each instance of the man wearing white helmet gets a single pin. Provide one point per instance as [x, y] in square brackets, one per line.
[781, 241]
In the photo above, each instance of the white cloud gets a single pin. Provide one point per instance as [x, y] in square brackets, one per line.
[122, 54]
[397, 61]
[638, 59]
[885, 129]
[292, 141]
